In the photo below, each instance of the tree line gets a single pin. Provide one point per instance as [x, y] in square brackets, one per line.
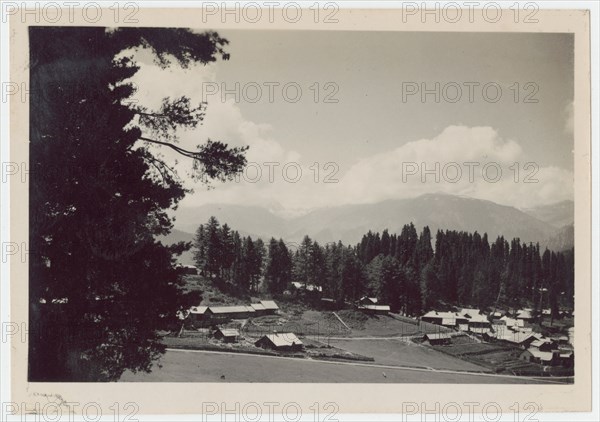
[410, 271]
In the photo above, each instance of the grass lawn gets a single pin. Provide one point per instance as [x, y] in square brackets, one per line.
[181, 366]
[405, 353]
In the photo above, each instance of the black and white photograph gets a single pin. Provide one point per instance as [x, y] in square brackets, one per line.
[211, 208]
[277, 206]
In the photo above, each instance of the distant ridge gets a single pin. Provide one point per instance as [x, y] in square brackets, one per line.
[349, 222]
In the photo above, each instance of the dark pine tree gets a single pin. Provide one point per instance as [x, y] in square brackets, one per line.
[99, 199]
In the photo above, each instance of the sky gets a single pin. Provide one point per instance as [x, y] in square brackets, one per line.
[359, 131]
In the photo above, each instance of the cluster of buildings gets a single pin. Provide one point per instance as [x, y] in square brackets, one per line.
[546, 351]
[536, 347]
[216, 314]
[282, 342]
[467, 319]
[513, 330]
[477, 322]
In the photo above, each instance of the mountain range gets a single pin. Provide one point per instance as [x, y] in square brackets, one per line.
[551, 225]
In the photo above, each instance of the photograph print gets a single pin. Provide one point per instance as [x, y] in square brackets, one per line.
[294, 206]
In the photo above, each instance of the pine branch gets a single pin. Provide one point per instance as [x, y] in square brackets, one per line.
[181, 151]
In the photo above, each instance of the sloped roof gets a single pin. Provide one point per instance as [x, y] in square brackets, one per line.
[479, 318]
[524, 313]
[198, 309]
[434, 314]
[512, 322]
[283, 339]
[373, 300]
[229, 332]
[544, 356]
[515, 337]
[438, 336]
[375, 307]
[269, 305]
[258, 306]
[230, 309]
[472, 312]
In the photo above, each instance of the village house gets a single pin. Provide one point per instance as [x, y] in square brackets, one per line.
[197, 313]
[497, 314]
[227, 335]
[512, 323]
[270, 307]
[525, 315]
[522, 338]
[367, 301]
[437, 339]
[371, 305]
[541, 357]
[446, 319]
[283, 342]
[375, 309]
[477, 322]
[259, 309]
[543, 344]
[225, 313]
[217, 314]
[470, 312]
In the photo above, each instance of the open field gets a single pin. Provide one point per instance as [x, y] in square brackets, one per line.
[199, 366]
[376, 325]
[301, 322]
[405, 353]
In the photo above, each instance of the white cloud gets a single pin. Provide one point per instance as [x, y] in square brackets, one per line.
[223, 121]
[370, 179]
[465, 161]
